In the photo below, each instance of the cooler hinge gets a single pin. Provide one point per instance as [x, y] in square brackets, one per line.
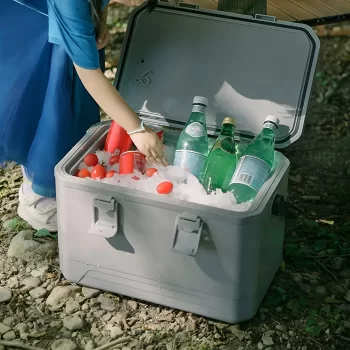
[265, 17]
[180, 4]
[187, 234]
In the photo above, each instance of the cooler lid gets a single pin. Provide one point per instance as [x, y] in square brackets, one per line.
[247, 67]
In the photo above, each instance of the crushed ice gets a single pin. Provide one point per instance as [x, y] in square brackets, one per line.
[186, 186]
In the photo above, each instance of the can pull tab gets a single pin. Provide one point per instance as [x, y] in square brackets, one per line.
[187, 234]
[105, 218]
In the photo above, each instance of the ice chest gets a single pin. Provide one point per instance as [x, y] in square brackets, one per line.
[200, 259]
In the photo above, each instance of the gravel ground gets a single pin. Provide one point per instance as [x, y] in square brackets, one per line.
[307, 306]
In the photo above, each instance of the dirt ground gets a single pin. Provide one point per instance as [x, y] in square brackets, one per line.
[308, 304]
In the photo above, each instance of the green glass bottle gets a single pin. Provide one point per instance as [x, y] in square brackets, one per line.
[192, 146]
[256, 163]
[221, 161]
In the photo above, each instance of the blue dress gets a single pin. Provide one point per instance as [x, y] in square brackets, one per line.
[44, 108]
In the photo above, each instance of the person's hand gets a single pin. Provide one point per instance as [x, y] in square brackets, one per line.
[103, 36]
[148, 143]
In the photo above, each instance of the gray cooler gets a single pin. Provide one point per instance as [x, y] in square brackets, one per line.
[209, 261]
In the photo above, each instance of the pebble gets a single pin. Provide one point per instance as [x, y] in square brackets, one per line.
[107, 317]
[292, 333]
[9, 335]
[73, 322]
[281, 328]
[321, 291]
[61, 293]
[337, 263]
[297, 277]
[90, 345]
[38, 292]
[267, 340]
[115, 332]
[31, 282]
[13, 282]
[107, 304]
[89, 292]
[345, 274]
[132, 305]
[22, 328]
[40, 272]
[63, 344]
[9, 321]
[5, 294]
[85, 307]
[260, 346]
[72, 306]
[4, 329]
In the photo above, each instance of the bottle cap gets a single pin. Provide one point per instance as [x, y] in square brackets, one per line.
[272, 119]
[229, 120]
[201, 100]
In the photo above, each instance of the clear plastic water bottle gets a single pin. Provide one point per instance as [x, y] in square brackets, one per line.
[256, 163]
[192, 146]
[221, 161]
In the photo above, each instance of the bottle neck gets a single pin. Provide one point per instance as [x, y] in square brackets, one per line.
[198, 108]
[269, 127]
[228, 130]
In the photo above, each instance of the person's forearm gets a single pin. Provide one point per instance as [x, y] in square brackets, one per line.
[108, 98]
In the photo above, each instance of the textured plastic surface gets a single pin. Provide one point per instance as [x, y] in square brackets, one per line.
[247, 67]
[223, 275]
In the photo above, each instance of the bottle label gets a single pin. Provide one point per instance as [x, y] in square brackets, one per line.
[198, 109]
[251, 171]
[191, 161]
[195, 129]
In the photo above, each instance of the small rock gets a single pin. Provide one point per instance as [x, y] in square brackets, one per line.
[24, 336]
[107, 304]
[22, 328]
[63, 344]
[260, 346]
[90, 345]
[297, 277]
[31, 282]
[263, 310]
[73, 322]
[72, 306]
[115, 332]
[5, 294]
[38, 292]
[89, 292]
[60, 294]
[85, 307]
[107, 317]
[281, 328]
[321, 291]
[337, 263]
[40, 272]
[269, 333]
[345, 274]
[267, 340]
[132, 305]
[4, 329]
[13, 282]
[23, 246]
[9, 335]
[292, 333]
[9, 321]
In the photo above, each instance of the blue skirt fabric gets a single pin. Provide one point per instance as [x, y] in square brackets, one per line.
[44, 108]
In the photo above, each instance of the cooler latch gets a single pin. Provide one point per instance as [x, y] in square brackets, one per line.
[187, 234]
[105, 218]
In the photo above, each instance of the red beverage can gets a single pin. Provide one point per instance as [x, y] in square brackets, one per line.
[118, 141]
[158, 130]
[132, 161]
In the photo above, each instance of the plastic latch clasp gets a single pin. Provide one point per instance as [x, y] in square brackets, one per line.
[187, 234]
[105, 218]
